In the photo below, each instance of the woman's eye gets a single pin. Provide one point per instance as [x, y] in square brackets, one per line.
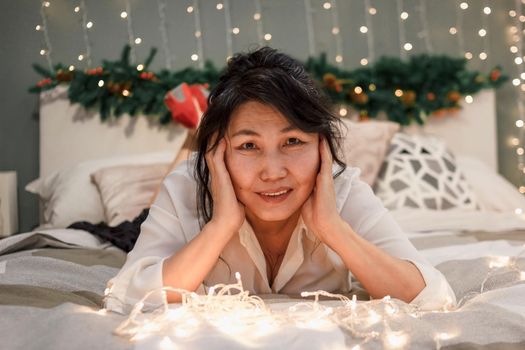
[294, 141]
[248, 146]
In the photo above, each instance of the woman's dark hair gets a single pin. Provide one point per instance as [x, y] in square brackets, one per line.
[272, 78]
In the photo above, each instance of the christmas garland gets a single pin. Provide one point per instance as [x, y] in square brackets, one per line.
[405, 91]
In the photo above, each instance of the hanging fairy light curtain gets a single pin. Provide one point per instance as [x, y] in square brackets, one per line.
[368, 31]
[199, 55]
[257, 17]
[126, 15]
[516, 48]
[483, 33]
[404, 45]
[86, 26]
[47, 49]
[229, 30]
[334, 17]
[309, 27]
[425, 33]
[163, 28]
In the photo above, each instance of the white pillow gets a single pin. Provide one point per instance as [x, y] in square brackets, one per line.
[69, 195]
[493, 191]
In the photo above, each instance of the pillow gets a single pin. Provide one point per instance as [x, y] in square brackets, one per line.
[493, 191]
[127, 189]
[419, 172]
[68, 196]
[365, 145]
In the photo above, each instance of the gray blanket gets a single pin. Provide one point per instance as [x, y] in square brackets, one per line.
[51, 290]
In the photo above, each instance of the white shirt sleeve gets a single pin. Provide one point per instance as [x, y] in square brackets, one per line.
[161, 235]
[372, 221]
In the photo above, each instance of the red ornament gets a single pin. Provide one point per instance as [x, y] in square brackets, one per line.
[187, 103]
[95, 71]
[431, 96]
[495, 74]
[147, 75]
[44, 82]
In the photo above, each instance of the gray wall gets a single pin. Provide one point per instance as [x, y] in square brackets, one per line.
[285, 19]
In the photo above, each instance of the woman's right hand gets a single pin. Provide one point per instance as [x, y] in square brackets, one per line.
[228, 212]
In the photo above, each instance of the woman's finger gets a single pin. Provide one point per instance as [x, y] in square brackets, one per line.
[326, 157]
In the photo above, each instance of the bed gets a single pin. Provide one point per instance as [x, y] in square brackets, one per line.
[53, 279]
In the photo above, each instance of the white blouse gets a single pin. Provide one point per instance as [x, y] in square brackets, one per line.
[308, 264]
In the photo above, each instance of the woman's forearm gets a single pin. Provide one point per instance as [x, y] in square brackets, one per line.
[188, 267]
[380, 273]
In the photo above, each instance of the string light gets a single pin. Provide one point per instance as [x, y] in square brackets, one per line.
[459, 30]
[131, 34]
[230, 309]
[338, 39]
[163, 27]
[309, 27]
[77, 9]
[463, 5]
[257, 16]
[228, 24]
[404, 46]
[85, 26]
[47, 50]
[363, 29]
[424, 33]
[199, 55]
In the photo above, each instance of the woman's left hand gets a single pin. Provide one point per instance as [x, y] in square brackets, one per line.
[319, 211]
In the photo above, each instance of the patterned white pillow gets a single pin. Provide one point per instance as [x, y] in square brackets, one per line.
[419, 172]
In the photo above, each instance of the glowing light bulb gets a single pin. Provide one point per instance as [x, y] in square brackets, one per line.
[516, 82]
[343, 111]
[80, 57]
[372, 11]
[522, 189]
[140, 67]
[189, 9]
[339, 58]
[77, 9]
[482, 56]
[398, 92]
[72, 68]
[335, 30]
[469, 99]
[519, 123]
[482, 32]
[520, 152]
[372, 87]
[518, 60]
[219, 6]
[407, 46]
[89, 25]
[46, 4]
[198, 34]
[514, 141]
[404, 15]
[514, 49]
[138, 41]
[358, 90]
[257, 16]
[463, 6]
[501, 261]
[267, 36]
[125, 93]
[487, 10]
[395, 340]
[123, 14]
[364, 61]
[100, 83]
[453, 30]
[363, 29]
[38, 27]
[468, 55]
[235, 30]
[512, 13]
[194, 57]
[43, 52]
[327, 6]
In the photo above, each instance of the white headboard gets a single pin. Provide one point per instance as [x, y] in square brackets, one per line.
[69, 134]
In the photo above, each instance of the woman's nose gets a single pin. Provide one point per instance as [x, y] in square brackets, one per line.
[273, 167]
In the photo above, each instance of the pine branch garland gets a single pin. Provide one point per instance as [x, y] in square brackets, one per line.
[406, 91]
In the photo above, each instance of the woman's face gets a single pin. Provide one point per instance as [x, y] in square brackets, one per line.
[273, 166]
